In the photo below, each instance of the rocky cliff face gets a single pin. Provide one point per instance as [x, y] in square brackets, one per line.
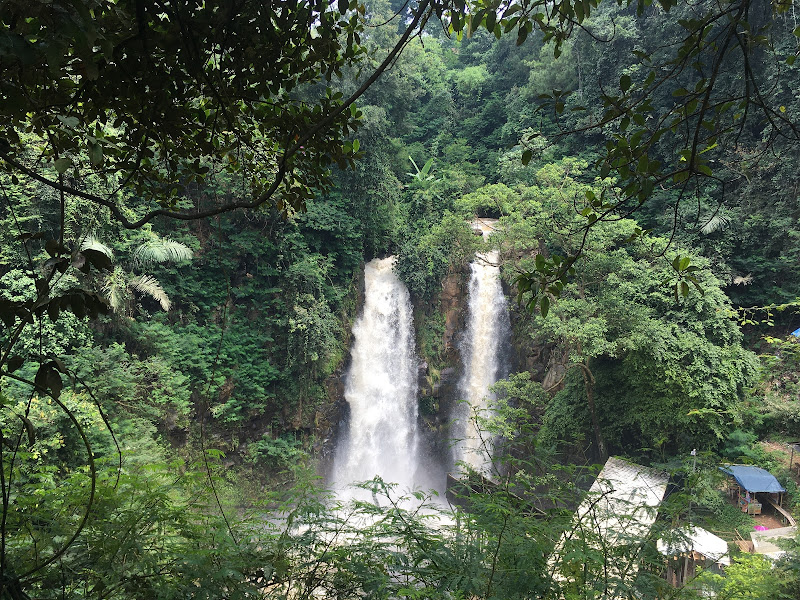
[544, 361]
[439, 326]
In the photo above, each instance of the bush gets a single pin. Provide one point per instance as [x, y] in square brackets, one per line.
[276, 453]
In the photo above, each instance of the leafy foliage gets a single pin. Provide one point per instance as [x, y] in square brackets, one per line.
[664, 369]
[120, 112]
[120, 90]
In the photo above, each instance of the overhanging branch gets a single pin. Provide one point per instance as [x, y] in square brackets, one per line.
[280, 175]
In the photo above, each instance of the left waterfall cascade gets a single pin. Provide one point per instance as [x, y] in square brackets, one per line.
[381, 437]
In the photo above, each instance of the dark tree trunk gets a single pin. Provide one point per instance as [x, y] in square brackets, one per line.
[588, 382]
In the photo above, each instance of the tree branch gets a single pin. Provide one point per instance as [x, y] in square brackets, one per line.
[283, 168]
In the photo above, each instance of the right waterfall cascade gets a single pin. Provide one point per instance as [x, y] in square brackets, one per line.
[483, 349]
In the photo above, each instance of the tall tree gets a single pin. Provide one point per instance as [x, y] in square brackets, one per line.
[657, 370]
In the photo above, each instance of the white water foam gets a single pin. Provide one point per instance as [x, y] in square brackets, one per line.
[381, 389]
[488, 329]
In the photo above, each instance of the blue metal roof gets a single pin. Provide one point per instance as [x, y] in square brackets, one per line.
[754, 479]
[796, 332]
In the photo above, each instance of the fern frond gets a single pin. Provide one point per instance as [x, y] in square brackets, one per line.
[160, 250]
[147, 284]
[114, 289]
[92, 243]
[715, 223]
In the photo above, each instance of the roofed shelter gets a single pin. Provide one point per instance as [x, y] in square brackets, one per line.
[754, 479]
[751, 480]
[614, 521]
[689, 548]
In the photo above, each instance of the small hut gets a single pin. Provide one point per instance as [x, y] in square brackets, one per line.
[750, 481]
[690, 547]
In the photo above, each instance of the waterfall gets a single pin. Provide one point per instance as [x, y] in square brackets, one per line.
[381, 388]
[482, 349]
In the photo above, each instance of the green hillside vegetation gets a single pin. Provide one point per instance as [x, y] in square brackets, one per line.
[188, 195]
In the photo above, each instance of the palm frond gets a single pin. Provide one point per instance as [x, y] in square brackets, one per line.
[715, 223]
[147, 284]
[159, 250]
[92, 243]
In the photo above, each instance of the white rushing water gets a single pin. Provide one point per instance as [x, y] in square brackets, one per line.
[488, 329]
[381, 388]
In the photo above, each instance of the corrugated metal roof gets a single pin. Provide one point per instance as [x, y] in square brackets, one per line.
[764, 541]
[623, 501]
[695, 539]
[619, 510]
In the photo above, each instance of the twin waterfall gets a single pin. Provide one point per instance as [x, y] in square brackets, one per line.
[381, 435]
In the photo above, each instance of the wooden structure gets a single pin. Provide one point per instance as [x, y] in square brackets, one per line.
[691, 547]
[752, 486]
[787, 518]
[794, 447]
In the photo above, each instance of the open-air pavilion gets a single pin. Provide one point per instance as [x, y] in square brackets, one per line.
[755, 486]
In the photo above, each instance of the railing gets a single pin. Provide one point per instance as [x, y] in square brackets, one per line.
[782, 511]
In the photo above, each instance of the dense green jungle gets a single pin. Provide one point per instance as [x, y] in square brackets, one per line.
[190, 191]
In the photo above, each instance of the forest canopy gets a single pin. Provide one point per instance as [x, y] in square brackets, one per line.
[107, 101]
[189, 192]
